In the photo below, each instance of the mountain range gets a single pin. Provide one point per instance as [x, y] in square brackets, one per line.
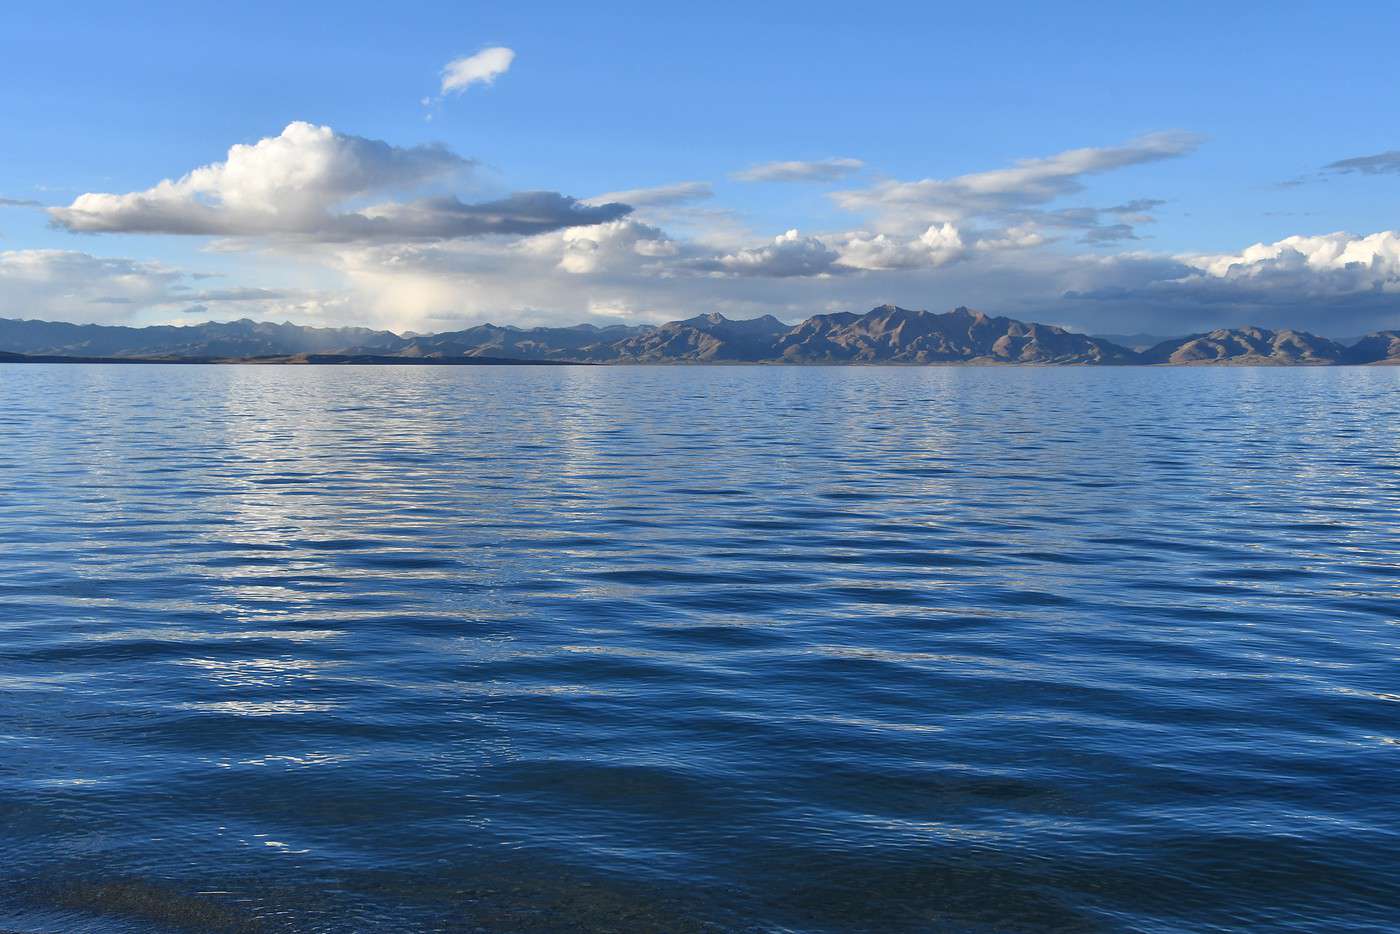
[884, 335]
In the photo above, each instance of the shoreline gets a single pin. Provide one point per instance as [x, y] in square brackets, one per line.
[386, 360]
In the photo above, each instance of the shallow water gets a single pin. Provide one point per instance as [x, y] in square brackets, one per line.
[693, 649]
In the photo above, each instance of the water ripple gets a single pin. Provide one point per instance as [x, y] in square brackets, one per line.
[752, 649]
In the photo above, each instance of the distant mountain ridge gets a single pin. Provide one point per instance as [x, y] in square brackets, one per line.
[244, 338]
[1248, 346]
[884, 335]
[890, 334]
[1382, 347]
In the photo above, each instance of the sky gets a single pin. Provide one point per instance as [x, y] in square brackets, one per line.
[1111, 168]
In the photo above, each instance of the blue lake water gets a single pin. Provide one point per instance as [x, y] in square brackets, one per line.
[699, 649]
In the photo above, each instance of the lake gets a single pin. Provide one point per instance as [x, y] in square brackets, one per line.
[699, 649]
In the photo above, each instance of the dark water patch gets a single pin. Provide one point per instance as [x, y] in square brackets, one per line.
[1188, 586]
[1059, 557]
[741, 600]
[1164, 545]
[665, 576]
[236, 561]
[335, 544]
[1265, 574]
[928, 559]
[78, 905]
[885, 595]
[389, 561]
[850, 495]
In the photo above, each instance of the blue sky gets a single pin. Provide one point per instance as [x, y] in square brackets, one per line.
[1242, 109]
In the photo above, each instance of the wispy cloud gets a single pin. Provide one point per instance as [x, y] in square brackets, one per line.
[1017, 198]
[19, 203]
[657, 196]
[824, 170]
[482, 68]
[1001, 192]
[72, 286]
[1382, 163]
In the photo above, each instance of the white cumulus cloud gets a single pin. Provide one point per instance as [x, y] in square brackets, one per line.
[620, 245]
[788, 255]
[939, 245]
[1337, 284]
[1326, 264]
[304, 183]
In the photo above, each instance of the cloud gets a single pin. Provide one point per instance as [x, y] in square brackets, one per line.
[393, 249]
[300, 184]
[520, 214]
[19, 203]
[659, 196]
[67, 285]
[76, 286]
[1109, 233]
[283, 183]
[937, 246]
[1325, 265]
[1096, 227]
[1005, 195]
[788, 255]
[628, 264]
[1140, 207]
[238, 294]
[1345, 285]
[643, 250]
[482, 68]
[1382, 163]
[620, 245]
[825, 170]
[1337, 284]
